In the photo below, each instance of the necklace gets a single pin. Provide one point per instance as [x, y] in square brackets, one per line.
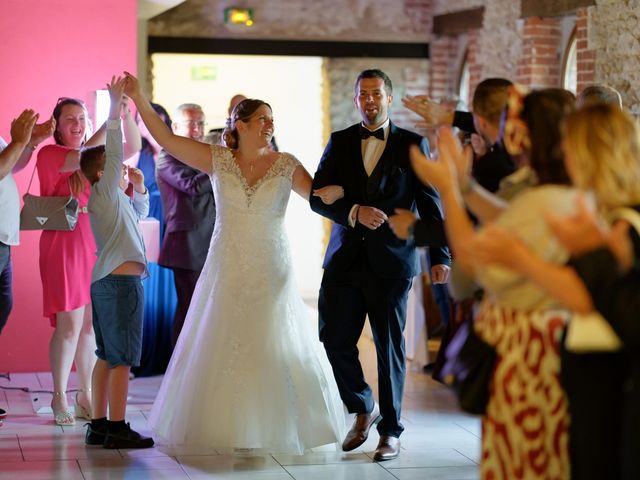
[251, 164]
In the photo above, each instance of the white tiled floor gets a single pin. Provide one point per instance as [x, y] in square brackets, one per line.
[439, 443]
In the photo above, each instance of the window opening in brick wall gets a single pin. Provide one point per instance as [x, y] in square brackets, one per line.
[294, 87]
[463, 84]
[570, 65]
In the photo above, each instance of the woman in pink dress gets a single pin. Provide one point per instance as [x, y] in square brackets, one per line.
[67, 258]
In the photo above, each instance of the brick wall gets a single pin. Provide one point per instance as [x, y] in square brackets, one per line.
[539, 65]
[532, 56]
[475, 67]
[443, 71]
[586, 56]
[421, 14]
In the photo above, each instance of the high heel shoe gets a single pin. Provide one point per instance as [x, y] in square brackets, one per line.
[80, 411]
[62, 417]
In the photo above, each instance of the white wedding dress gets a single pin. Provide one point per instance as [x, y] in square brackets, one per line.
[248, 371]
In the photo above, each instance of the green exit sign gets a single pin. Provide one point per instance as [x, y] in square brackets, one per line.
[204, 72]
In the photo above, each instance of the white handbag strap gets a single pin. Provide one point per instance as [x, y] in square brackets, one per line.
[627, 214]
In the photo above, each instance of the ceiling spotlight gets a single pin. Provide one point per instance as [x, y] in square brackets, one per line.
[238, 16]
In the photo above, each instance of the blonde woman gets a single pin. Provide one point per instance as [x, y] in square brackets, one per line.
[602, 154]
[525, 427]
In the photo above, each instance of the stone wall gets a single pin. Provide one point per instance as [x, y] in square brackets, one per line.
[615, 38]
[343, 20]
[531, 50]
[407, 77]
[499, 42]
[526, 50]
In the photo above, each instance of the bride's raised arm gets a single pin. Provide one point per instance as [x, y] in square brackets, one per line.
[191, 152]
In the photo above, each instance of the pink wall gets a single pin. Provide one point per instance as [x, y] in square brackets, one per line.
[50, 49]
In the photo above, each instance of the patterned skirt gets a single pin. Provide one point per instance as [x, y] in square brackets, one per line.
[525, 430]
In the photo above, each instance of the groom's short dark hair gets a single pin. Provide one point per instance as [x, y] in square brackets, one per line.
[375, 73]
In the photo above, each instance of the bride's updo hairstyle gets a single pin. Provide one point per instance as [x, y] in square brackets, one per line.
[242, 112]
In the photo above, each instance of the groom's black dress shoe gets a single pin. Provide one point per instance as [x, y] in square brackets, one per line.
[388, 448]
[360, 429]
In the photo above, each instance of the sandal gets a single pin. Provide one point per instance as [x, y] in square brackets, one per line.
[62, 417]
[80, 411]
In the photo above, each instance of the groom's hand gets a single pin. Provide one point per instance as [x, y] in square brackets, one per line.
[440, 274]
[371, 217]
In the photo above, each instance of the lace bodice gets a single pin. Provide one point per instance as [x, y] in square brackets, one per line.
[270, 192]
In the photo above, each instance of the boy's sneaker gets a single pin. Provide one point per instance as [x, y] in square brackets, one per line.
[95, 435]
[126, 438]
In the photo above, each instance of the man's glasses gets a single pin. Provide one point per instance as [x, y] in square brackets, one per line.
[193, 123]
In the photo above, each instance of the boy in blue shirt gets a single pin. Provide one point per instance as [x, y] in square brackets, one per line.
[116, 290]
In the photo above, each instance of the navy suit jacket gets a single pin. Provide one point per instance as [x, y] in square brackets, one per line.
[389, 256]
[189, 213]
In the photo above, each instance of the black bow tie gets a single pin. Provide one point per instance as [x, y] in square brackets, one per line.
[366, 133]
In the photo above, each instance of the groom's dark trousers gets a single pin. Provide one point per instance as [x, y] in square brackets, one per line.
[369, 272]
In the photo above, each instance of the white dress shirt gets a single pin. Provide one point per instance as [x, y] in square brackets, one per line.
[10, 211]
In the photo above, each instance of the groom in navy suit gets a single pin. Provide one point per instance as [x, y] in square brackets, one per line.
[367, 269]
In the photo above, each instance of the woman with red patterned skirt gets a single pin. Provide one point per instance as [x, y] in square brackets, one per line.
[525, 427]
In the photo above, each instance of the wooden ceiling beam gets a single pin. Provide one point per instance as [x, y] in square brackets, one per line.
[458, 22]
[551, 8]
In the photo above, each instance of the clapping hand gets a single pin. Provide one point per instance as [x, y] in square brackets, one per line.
[402, 222]
[42, 131]
[478, 145]
[434, 114]
[452, 167]
[329, 194]
[495, 245]
[22, 127]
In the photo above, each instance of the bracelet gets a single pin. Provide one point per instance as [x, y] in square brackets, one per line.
[32, 147]
[469, 186]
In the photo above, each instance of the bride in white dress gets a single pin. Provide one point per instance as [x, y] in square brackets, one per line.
[248, 370]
